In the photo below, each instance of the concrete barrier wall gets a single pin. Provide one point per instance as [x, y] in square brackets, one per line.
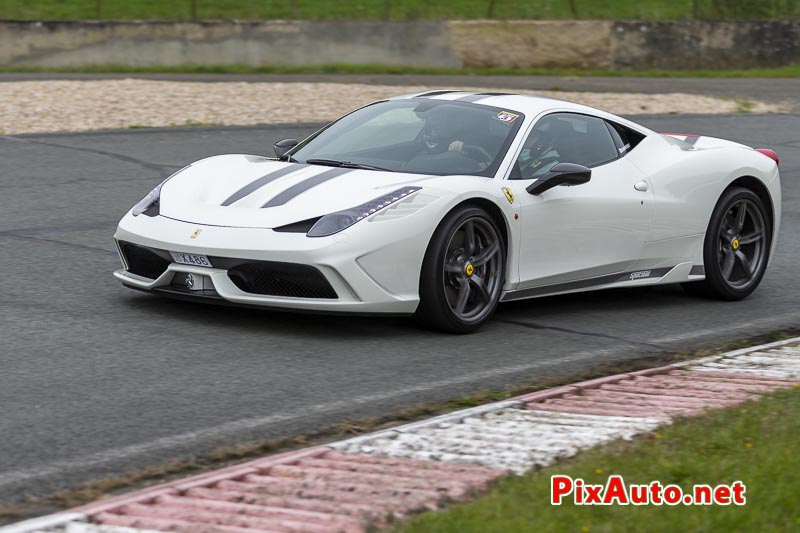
[74, 44]
[531, 43]
[704, 44]
[481, 43]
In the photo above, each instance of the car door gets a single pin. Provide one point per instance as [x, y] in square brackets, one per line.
[596, 229]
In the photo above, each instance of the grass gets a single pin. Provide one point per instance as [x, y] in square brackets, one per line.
[397, 9]
[756, 443]
[744, 106]
[791, 71]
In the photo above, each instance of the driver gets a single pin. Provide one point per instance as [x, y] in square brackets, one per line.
[539, 153]
[440, 135]
[443, 144]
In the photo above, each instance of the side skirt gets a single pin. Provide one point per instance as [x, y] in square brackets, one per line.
[633, 278]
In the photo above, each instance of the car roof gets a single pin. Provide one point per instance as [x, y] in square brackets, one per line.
[529, 105]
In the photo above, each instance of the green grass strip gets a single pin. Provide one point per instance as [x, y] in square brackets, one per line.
[398, 9]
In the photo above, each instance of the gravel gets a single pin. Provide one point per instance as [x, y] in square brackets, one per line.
[47, 106]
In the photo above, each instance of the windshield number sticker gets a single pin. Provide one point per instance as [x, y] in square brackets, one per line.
[507, 116]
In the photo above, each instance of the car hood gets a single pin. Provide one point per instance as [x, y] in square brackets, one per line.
[255, 192]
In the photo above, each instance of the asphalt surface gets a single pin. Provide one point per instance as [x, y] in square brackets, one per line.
[97, 379]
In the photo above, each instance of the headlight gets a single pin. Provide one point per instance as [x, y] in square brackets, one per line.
[149, 205]
[336, 222]
[148, 202]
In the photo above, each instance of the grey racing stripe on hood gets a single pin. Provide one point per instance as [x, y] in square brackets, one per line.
[303, 186]
[260, 182]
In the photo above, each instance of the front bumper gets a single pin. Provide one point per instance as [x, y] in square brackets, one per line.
[367, 274]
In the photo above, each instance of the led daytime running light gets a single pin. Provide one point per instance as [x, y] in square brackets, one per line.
[336, 222]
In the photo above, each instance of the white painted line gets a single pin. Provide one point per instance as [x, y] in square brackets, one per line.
[777, 360]
[586, 420]
[741, 351]
[769, 358]
[414, 426]
[751, 371]
[458, 415]
[752, 325]
[43, 523]
[361, 439]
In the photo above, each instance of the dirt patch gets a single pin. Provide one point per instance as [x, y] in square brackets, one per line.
[47, 106]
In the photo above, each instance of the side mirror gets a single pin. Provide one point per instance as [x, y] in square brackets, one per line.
[282, 147]
[561, 174]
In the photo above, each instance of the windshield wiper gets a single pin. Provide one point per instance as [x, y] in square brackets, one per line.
[344, 164]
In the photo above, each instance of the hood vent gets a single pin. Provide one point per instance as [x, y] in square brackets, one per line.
[304, 226]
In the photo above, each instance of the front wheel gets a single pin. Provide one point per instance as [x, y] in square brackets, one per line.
[736, 248]
[462, 273]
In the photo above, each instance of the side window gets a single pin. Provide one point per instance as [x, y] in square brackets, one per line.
[565, 138]
[625, 138]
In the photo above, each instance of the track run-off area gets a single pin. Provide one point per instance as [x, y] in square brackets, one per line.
[97, 379]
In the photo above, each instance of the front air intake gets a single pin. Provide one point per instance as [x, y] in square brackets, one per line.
[281, 279]
[142, 261]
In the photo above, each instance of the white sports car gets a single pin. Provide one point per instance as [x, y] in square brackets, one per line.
[445, 203]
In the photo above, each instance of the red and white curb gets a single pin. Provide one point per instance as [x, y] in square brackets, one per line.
[368, 481]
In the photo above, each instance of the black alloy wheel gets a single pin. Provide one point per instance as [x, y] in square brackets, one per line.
[736, 248]
[463, 272]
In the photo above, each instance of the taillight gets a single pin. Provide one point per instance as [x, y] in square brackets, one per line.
[772, 154]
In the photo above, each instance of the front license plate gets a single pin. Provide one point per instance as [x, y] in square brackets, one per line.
[191, 259]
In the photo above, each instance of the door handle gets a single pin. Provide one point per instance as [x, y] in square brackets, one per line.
[641, 186]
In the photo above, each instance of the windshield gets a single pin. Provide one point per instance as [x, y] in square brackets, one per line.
[421, 136]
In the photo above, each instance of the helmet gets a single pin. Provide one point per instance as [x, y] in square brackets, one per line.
[439, 129]
[536, 145]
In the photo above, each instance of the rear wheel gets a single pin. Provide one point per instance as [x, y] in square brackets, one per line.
[736, 247]
[462, 273]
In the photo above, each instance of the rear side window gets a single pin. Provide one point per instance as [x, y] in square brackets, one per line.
[625, 138]
[582, 139]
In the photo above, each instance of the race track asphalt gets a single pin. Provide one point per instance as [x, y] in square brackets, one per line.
[96, 379]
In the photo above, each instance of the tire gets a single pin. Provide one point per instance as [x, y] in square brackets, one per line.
[736, 247]
[462, 278]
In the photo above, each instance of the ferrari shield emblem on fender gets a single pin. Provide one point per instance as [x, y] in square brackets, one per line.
[196, 233]
[509, 195]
